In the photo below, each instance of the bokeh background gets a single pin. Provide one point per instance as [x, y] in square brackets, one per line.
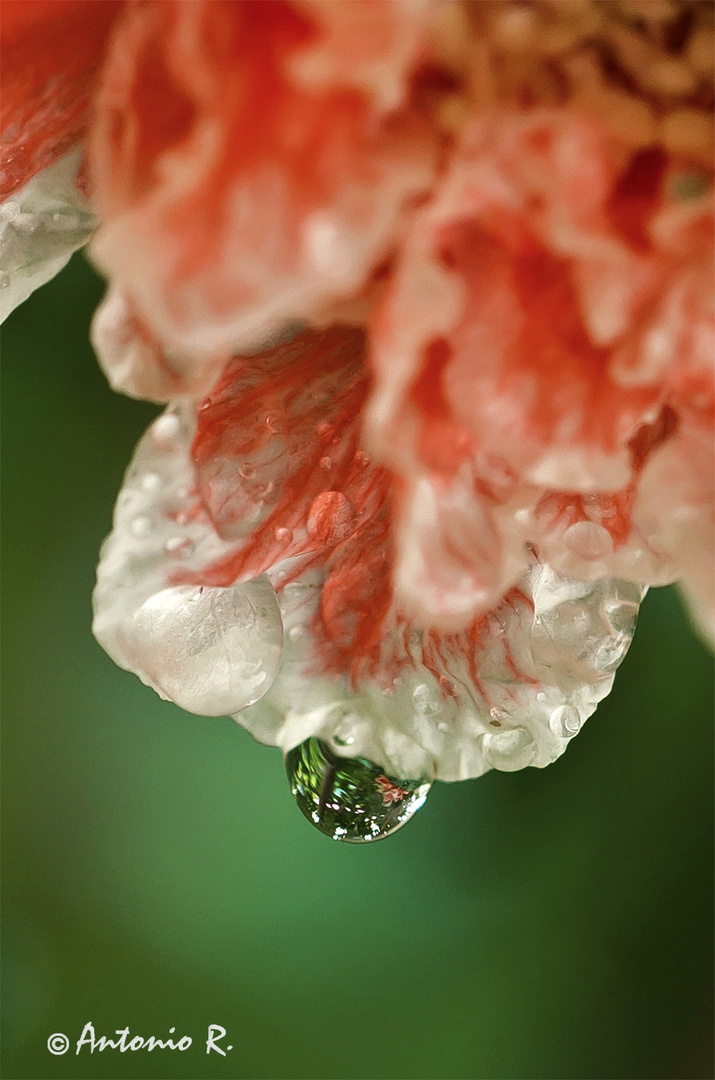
[157, 874]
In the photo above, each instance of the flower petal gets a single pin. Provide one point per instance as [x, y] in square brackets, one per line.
[210, 650]
[40, 227]
[51, 50]
[221, 227]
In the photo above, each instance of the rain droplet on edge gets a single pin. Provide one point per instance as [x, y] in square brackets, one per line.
[350, 799]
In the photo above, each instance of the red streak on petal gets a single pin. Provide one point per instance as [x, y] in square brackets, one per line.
[636, 195]
[51, 52]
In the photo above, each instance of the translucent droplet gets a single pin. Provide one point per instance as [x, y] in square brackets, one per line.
[498, 716]
[164, 430]
[350, 798]
[296, 632]
[510, 750]
[283, 535]
[426, 699]
[212, 651]
[140, 526]
[178, 545]
[151, 481]
[565, 721]
[326, 463]
[247, 471]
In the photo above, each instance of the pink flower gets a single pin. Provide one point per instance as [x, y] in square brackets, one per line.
[428, 288]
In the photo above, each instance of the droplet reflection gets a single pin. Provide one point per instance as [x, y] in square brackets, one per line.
[350, 798]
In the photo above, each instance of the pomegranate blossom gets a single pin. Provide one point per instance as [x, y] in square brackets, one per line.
[426, 287]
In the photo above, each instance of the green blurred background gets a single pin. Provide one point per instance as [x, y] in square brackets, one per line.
[157, 873]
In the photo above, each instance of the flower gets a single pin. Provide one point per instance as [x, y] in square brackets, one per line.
[427, 287]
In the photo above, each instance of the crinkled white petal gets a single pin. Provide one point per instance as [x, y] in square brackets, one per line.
[512, 696]
[210, 650]
[540, 674]
[40, 227]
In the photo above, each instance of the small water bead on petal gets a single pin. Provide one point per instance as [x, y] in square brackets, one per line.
[498, 716]
[332, 518]
[565, 721]
[151, 482]
[283, 535]
[212, 651]
[511, 750]
[350, 798]
[140, 526]
[164, 431]
[178, 545]
[247, 471]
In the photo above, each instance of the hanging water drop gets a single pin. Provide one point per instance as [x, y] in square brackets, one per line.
[509, 750]
[350, 798]
[565, 721]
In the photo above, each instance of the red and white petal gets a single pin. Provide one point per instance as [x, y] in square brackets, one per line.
[371, 44]
[210, 650]
[51, 51]
[135, 362]
[41, 225]
[233, 198]
[509, 693]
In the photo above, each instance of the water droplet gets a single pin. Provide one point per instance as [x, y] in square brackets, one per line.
[510, 750]
[297, 632]
[350, 798]
[498, 716]
[283, 535]
[140, 526]
[326, 463]
[426, 699]
[565, 721]
[151, 481]
[212, 651]
[178, 545]
[247, 471]
[332, 518]
[164, 430]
